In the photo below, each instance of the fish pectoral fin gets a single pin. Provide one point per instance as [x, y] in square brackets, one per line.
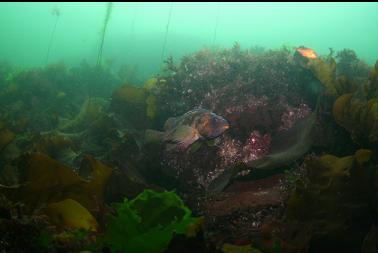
[184, 133]
[182, 137]
[184, 144]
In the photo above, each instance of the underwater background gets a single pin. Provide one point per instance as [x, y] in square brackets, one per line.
[188, 127]
[136, 31]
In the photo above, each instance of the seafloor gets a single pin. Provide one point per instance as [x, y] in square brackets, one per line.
[78, 173]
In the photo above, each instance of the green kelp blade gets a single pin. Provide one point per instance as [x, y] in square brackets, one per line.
[147, 223]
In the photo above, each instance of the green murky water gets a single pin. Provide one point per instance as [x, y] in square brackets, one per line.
[136, 31]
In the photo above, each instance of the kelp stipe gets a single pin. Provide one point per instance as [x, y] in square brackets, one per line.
[166, 33]
[55, 12]
[132, 29]
[216, 24]
[109, 7]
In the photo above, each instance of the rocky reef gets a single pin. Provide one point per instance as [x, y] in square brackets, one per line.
[85, 163]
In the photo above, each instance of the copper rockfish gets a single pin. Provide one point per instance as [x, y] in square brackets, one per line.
[181, 132]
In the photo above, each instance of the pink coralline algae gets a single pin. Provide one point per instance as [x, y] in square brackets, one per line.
[231, 150]
[203, 166]
[245, 112]
[256, 146]
[292, 114]
[259, 118]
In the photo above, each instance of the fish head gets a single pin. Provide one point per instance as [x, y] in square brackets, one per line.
[211, 125]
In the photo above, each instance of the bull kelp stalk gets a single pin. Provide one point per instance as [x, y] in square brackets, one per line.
[109, 7]
[55, 12]
[166, 33]
[132, 30]
[216, 24]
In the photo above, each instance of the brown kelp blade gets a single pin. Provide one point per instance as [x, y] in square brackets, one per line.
[44, 180]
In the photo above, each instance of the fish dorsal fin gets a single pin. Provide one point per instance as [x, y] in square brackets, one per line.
[169, 123]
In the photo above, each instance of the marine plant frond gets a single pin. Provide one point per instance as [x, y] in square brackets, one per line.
[148, 222]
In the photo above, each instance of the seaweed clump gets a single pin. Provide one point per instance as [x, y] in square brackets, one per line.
[350, 66]
[43, 180]
[229, 73]
[39, 99]
[312, 206]
[137, 104]
[147, 223]
[357, 111]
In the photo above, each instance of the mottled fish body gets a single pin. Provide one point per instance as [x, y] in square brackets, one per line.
[198, 124]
